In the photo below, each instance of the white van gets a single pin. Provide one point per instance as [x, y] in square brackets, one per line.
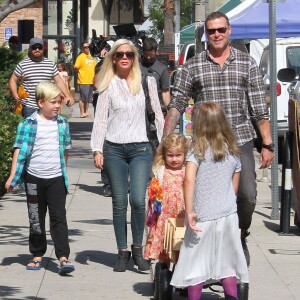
[288, 56]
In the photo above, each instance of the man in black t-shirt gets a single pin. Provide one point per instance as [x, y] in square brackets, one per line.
[151, 66]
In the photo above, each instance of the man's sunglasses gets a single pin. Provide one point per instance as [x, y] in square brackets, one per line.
[120, 54]
[211, 31]
[39, 47]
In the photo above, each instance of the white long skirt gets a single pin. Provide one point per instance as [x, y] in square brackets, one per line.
[212, 254]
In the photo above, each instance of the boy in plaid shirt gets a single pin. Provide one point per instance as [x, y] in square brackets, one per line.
[39, 160]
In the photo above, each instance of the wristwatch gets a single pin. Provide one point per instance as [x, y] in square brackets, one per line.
[270, 147]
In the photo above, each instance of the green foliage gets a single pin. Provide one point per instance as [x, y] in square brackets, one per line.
[8, 126]
[9, 60]
[157, 16]
[8, 120]
[186, 11]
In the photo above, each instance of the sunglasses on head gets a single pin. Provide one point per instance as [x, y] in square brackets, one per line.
[39, 47]
[120, 54]
[211, 31]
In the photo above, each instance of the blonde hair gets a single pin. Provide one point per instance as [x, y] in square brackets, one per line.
[46, 90]
[212, 129]
[108, 69]
[173, 140]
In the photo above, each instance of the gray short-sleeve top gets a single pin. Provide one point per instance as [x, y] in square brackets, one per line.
[214, 194]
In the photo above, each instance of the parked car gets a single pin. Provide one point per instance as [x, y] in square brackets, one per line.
[287, 56]
[187, 52]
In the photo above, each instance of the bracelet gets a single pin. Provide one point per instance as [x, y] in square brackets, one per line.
[96, 152]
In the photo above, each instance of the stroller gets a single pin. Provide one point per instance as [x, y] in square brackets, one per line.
[173, 238]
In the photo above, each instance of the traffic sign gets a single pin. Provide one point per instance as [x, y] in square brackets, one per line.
[8, 32]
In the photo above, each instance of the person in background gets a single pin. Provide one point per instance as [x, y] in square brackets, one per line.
[151, 66]
[211, 248]
[40, 159]
[34, 69]
[227, 76]
[119, 138]
[13, 43]
[85, 66]
[61, 67]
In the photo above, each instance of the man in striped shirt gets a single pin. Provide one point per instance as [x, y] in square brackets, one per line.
[231, 78]
[32, 70]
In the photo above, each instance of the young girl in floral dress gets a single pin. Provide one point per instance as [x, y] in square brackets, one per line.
[169, 173]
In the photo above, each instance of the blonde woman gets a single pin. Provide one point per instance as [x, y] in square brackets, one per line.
[119, 138]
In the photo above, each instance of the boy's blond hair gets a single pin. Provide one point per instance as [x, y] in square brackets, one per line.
[46, 90]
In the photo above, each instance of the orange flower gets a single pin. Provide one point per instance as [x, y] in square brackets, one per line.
[155, 190]
[22, 93]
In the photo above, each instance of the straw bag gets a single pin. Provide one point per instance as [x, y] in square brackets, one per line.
[174, 234]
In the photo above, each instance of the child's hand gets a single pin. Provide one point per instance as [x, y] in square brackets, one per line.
[8, 187]
[192, 219]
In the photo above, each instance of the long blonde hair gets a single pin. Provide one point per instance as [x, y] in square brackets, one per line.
[108, 69]
[212, 129]
[173, 140]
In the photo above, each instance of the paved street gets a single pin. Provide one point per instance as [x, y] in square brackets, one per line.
[275, 259]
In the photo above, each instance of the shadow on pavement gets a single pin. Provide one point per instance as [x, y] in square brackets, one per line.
[9, 291]
[13, 235]
[97, 221]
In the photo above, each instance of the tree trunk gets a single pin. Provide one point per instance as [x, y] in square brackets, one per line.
[169, 7]
[9, 6]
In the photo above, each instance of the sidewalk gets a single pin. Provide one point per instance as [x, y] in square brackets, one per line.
[275, 259]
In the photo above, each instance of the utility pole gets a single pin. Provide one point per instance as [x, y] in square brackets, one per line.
[200, 6]
[177, 29]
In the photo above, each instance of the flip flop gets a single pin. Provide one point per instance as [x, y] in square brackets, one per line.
[36, 267]
[83, 116]
[67, 268]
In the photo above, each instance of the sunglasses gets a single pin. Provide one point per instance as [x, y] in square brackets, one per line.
[39, 47]
[211, 31]
[129, 54]
[84, 47]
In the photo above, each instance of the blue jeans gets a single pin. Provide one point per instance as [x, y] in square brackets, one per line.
[246, 196]
[121, 160]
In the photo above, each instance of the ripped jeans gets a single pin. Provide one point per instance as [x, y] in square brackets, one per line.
[123, 160]
[43, 194]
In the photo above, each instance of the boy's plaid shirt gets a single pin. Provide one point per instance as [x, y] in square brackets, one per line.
[25, 139]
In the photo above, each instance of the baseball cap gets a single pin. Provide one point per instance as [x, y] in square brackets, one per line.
[36, 40]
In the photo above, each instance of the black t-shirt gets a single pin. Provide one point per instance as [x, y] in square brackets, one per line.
[160, 72]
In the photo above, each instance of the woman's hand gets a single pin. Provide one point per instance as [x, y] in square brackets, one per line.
[98, 160]
[192, 220]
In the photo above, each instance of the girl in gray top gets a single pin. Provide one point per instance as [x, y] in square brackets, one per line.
[212, 249]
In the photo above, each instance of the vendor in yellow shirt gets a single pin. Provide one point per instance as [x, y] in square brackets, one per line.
[85, 65]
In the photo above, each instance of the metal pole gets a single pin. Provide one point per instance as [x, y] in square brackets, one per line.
[273, 108]
[177, 29]
[286, 192]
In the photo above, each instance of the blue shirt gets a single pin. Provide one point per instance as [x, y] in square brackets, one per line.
[25, 138]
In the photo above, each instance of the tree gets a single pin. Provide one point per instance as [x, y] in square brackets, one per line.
[157, 16]
[9, 6]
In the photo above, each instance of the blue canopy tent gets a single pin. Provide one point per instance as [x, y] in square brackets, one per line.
[253, 21]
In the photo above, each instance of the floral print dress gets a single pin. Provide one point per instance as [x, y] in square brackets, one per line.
[172, 206]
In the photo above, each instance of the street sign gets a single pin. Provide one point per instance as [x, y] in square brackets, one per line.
[8, 32]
